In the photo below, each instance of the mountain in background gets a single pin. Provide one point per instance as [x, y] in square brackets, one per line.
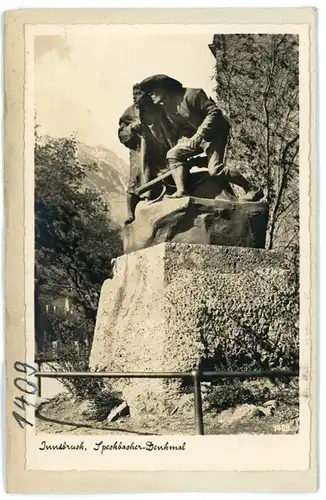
[110, 177]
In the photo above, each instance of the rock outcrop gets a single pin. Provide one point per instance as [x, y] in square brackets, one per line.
[197, 221]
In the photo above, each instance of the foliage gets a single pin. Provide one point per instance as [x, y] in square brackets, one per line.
[256, 325]
[228, 394]
[65, 408]
[102, 403]
[71, 356]
[68, 354]
[75, 240]
[257, 84]
[245, 317]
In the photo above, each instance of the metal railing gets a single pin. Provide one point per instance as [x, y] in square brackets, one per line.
[196, 375]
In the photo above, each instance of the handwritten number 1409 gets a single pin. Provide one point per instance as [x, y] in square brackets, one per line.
[27, 387]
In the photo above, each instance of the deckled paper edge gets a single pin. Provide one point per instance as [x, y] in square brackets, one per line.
[18, 479]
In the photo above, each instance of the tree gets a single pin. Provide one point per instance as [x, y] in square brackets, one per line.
[75, 240]
[257, 84]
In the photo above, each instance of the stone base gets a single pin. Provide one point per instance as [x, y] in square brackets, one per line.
[199, 221]
[171, 306]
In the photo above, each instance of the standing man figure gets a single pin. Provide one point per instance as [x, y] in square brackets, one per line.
[197, 125]
[141, 130]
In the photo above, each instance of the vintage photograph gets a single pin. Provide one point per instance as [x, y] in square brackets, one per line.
[161, 311]
[166, 233]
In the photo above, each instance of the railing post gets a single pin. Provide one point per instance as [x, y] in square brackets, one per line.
[199, 423]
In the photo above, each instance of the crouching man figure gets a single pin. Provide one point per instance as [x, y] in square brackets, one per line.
[197, 126]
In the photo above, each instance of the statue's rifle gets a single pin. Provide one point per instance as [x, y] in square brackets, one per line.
[135, 195]
[201, 162]
[142, 139]
[145, 187]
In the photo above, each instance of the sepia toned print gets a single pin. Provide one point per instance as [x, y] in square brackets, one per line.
[203, 272]
[165, 208]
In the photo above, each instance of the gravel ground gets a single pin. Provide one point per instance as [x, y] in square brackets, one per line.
[63, 415]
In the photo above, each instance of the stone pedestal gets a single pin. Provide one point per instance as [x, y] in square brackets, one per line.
[175, 304]
[198, 221]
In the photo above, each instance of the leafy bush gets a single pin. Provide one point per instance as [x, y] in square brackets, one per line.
[228, 394]
[71, 355]
[75, 240]
[65, 351]
[260, 331]
[102, 403]
[246, 320]
[74, 357]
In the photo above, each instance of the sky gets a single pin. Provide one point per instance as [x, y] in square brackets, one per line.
[83, 84]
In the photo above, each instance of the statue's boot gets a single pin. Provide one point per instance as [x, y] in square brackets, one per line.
[179, 171]
[132, 201]
[253, 193]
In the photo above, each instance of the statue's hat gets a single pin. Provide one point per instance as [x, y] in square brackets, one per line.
[160, 81]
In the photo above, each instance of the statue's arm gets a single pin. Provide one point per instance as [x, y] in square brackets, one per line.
[207, 108]
[126, 132]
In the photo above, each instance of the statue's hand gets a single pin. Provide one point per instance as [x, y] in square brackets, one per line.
[136, 126]
[194, 142]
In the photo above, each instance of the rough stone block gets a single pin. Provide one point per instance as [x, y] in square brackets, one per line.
[173, 305]
[198, 221]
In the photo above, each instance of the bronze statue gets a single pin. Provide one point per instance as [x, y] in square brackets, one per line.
[141, 130]
[199, 126]
[166, 129]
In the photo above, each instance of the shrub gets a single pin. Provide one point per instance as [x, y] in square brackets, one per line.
[247, 319]
[228, 394]
[102, 403]
[72, 357]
